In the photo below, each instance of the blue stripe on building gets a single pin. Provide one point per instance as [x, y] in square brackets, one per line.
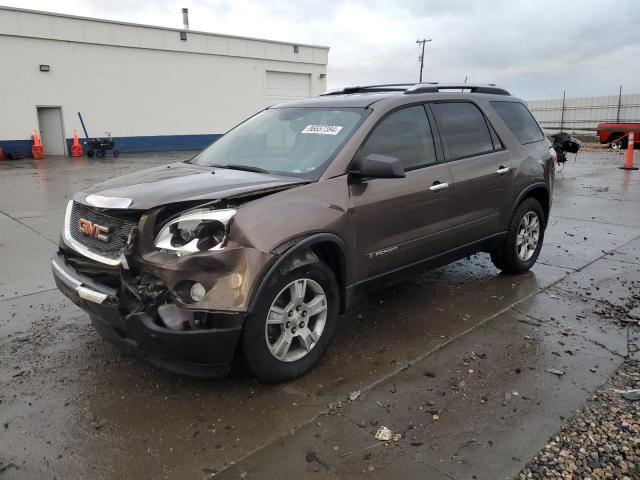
[151, 143]
[23, 147]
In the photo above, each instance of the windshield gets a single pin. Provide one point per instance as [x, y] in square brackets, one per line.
[287, 141]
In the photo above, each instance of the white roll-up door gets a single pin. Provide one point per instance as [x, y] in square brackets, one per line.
[283, 86]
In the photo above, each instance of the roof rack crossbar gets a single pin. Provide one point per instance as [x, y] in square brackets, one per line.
[424, 87]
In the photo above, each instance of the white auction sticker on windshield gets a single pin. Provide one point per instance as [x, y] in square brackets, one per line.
[322, 129]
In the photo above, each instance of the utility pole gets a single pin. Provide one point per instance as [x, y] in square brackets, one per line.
[564, 94]
[423, 42]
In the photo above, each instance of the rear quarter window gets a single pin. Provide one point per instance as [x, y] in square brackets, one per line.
[519, 120]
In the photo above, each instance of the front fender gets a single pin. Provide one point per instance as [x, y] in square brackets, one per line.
[296, 253]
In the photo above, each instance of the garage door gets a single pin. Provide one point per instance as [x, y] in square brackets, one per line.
[283, 86]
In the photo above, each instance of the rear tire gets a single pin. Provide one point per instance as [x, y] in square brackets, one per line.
[524, 239]
[302, 309]
[619, 143]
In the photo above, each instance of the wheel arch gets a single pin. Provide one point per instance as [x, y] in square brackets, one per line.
[614, 136]
[325, 247]
[540, 192]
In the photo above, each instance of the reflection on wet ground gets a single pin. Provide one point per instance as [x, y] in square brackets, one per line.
[457, 360]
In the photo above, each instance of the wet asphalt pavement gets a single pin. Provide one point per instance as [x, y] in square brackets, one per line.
[474, 369]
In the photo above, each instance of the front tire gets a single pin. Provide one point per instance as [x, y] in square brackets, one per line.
[523, 242]
[292, 324]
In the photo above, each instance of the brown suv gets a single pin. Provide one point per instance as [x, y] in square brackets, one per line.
[257, 244]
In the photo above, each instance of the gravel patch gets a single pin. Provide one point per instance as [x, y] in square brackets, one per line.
[602, 441]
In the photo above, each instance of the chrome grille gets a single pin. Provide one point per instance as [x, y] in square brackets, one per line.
[118, 236]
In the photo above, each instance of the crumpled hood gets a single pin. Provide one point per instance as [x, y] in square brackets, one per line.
[179, 182]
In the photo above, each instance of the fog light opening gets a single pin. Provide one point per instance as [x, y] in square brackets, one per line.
[197, 291]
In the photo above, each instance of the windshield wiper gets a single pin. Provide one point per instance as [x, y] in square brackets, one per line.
[246, 168]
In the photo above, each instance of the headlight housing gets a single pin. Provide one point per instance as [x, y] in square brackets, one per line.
[196, 231]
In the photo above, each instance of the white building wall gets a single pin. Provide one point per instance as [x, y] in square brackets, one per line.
[137, 80]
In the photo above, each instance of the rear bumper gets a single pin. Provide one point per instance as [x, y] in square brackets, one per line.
[206, 353]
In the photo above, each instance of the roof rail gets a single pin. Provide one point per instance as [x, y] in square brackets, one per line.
[387, 87]
[489, 88]
[413, 88]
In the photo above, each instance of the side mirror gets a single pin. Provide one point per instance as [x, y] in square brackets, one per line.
[377, 166]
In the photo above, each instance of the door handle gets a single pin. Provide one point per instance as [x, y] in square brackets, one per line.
[502, 170]
[437, 186]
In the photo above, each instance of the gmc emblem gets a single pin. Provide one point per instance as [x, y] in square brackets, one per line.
[94, 230]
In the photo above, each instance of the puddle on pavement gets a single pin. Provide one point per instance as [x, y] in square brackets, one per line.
[74, 407]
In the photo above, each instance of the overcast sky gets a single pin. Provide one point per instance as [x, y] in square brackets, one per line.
[536, 49]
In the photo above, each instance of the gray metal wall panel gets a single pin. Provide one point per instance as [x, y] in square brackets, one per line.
[582, 115]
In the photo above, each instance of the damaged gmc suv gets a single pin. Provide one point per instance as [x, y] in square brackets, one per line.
[251, 249]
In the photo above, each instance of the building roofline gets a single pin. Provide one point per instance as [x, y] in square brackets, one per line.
[157, 27]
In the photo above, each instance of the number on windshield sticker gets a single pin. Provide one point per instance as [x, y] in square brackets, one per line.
[322, 129]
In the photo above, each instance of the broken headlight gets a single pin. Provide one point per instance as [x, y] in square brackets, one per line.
[196, 231]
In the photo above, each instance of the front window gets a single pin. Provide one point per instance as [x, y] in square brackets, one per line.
[296, 142]
[406, 135]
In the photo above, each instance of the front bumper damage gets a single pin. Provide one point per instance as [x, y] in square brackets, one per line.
[133, 326]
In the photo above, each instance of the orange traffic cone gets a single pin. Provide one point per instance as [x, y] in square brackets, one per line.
[76, 148]
[629, 163]
[37, 149]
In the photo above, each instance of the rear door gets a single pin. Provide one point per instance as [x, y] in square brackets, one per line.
[400, 221]
[480, 167]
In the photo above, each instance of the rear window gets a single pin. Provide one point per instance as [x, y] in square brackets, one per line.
[463, 129]
[519, 120]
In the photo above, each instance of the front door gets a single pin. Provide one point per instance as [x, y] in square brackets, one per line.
[480, 167]
[400, 221]
[51, 131]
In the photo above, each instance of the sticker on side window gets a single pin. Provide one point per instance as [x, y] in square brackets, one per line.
[322, 129]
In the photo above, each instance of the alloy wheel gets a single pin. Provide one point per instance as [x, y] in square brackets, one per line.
[296, 320]
[528, 236]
